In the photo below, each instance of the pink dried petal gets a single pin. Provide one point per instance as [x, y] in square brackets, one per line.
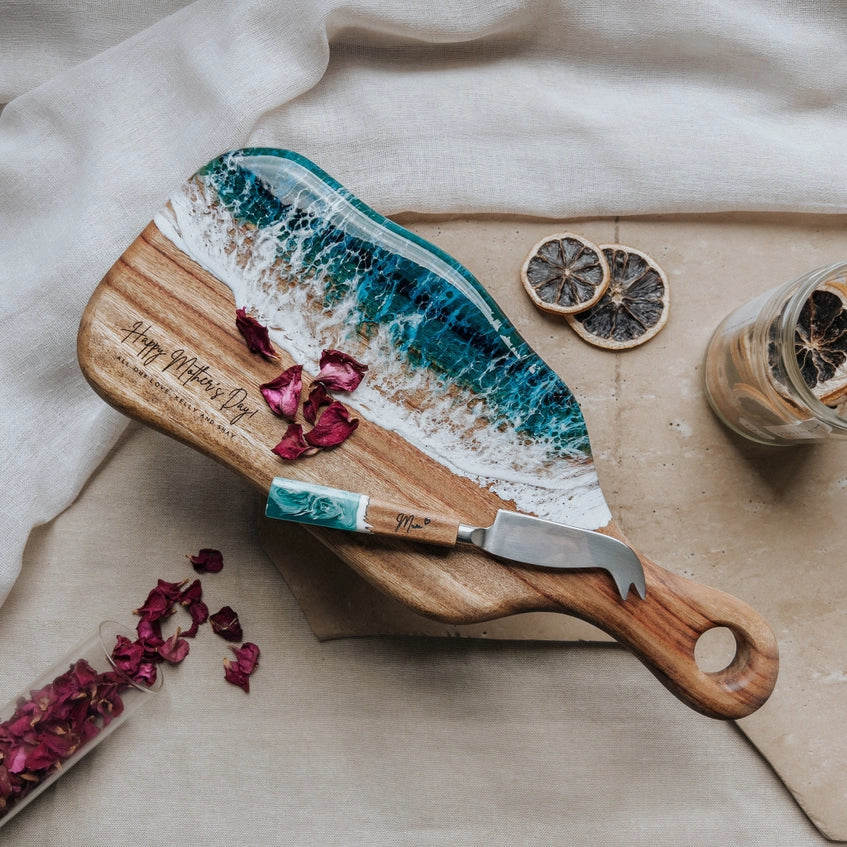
[196, 608]
[333, 427]
[146, 674]
[160, 601]
[52, 697]
[207, 561]
[56, 742]
[283, 393]
[233, 674]
[292, 445]
[171, 590]
[109, 703]
[35, 758]
[339, 371]
[192, 594]
[238, 672]
[87, 731]
[5, 783]
[149, 634]
[83, 675]
[175, 649]
[78, 710]
[27, 715]
[16, 759]
[127, 655]
[255, 334]
[226, 624]
[199, 613]
[247, 656]
[317, 398]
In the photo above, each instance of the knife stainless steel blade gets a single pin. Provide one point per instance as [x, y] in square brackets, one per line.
[514, 537]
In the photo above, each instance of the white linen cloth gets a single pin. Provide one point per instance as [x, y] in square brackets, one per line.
[542, 107]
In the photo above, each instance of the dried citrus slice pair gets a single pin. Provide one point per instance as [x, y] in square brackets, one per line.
[613, 296]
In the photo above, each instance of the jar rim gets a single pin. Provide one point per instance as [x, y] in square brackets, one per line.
[810, 282]
[108, 631]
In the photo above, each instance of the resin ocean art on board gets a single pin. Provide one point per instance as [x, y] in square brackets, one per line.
[447, 370]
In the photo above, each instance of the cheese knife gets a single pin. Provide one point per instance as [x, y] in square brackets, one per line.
[512, 536]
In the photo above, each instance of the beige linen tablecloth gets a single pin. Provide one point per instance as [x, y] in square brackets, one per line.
[367, 741]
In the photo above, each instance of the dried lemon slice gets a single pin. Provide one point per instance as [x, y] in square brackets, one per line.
[565, 273]
[820, 343]
[820, 346]
[635, 305]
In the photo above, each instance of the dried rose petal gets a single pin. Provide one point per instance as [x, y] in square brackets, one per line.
[317, 397]
[333, 426]
[172, 590]
[127, 655]
[146, 673]
[238, 672]
[191, 598]
[16, 758]
[149, 634]
[292, 445]
[160, 601]
[255, 334]
[339, 371]
[233, 674]
[199, 613]
[108, 703]
[283, 393]
[247, 656]
[207, 561]
[196, 608]
[56, 720]
[54, 742]
[175, 649]
[83, 675]
[192, 594]
[226, 624]
[41, 756]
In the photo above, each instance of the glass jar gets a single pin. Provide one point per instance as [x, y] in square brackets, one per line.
[64, 714]
[776, 367]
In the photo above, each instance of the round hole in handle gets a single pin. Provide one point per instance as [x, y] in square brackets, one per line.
[715, 649]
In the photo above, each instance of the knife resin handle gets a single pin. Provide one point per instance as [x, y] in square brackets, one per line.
[317, 505]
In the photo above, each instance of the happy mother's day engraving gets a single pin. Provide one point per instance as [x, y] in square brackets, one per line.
[187, 370]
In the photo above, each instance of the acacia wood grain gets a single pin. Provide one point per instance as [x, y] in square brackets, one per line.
[425, 526]
[158, 341]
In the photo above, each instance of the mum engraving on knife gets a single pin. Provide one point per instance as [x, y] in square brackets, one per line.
[408, 523]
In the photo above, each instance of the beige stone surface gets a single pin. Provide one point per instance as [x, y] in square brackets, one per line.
[757, 522]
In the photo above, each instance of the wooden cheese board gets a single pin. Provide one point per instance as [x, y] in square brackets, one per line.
[457, 415]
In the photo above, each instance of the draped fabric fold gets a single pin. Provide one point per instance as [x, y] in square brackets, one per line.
[513, 107]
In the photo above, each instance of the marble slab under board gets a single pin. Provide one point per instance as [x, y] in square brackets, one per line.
[754, 521]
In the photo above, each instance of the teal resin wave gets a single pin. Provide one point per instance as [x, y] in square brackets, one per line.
[479, 351]
[323, 269]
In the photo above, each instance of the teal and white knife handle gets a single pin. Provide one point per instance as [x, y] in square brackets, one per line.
[316, 505]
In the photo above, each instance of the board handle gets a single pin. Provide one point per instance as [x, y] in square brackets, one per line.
[663, 630]
[746, 682]
[318, 505]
